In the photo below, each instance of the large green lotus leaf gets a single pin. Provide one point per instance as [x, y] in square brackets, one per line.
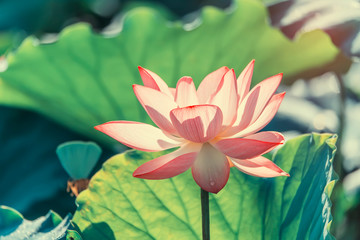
[119, 206]
[85, 79]
[6, 42]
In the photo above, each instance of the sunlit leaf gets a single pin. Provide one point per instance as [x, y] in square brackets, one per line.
[8, 40]
[118, 206]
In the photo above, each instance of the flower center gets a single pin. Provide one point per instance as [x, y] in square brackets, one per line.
[209, 155]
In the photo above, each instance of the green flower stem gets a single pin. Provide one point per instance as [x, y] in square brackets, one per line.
[205, 214]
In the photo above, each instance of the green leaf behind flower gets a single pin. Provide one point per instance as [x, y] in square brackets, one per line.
[6, 42]
[85, 79]
[119, 206]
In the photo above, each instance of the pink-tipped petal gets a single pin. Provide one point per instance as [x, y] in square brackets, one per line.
[209, 84]
[152, 80]
[251, 146]
[244, 80]
[186, 92]
[141, 136]
[265, 117]
[267, 89]
[168, 165]
[269, 136]
[245, 113]
[198, 123]
[259, 167]
[211, 169]
[158, 106]
[226, 98]
[254, 103]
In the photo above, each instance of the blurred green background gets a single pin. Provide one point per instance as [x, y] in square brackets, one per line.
[46, 99]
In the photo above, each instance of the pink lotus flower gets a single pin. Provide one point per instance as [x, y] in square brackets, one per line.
[215, 126]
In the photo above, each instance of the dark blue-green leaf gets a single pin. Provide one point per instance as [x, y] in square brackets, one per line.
[78, 158]
[14, 226]
[32, 179]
